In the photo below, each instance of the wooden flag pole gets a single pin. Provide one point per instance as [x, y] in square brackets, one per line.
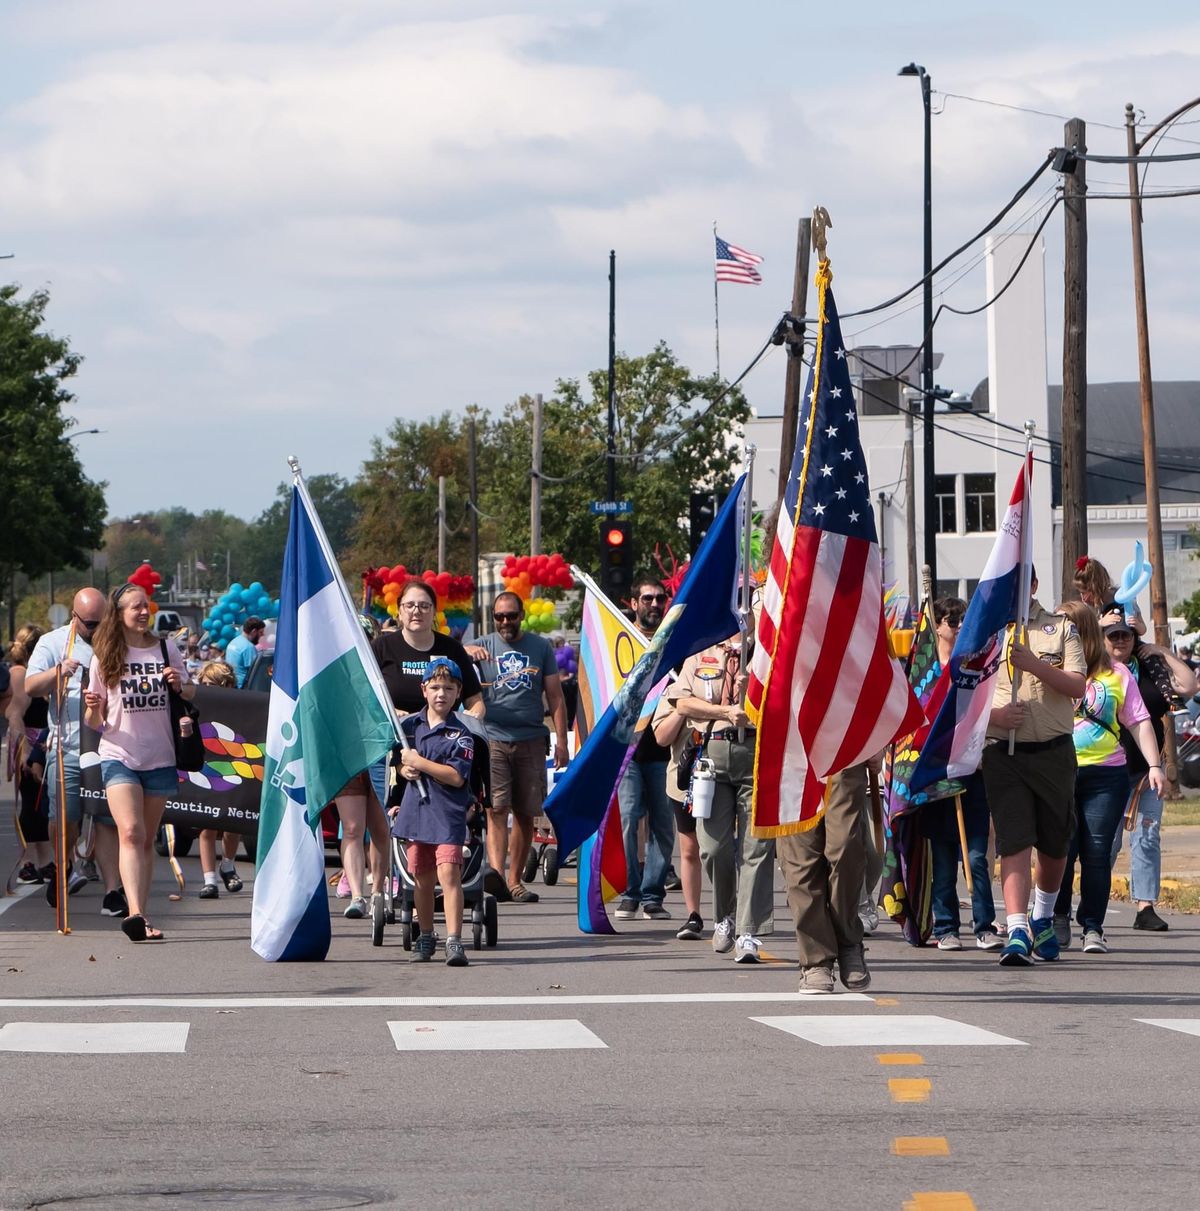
[1020, 633]
[962, 840]
[876, 809]
[62, 690]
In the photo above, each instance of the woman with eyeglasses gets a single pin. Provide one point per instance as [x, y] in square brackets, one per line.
[132, 675]
[1111, 701]
[1160, 676]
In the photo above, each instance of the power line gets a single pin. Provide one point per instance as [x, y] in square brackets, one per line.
[992, 223]
[1041, 113]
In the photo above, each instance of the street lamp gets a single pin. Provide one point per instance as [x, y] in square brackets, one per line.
[915, 69]
[70, 437]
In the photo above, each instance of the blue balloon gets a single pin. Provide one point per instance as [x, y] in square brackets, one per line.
[1135, 577]
[264, 605]
[235, 588]
[257, 588]
[227, 633]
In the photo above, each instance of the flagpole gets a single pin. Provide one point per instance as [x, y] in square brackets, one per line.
[1026, 572]
[592, 587]
[745, 608]
[716, 305]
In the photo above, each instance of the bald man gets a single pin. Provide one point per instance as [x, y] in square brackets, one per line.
[50, 654]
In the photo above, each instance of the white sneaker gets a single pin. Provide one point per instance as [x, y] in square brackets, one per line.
[989, 940]
[746, 949]
[868, 915]
[722, 938]
[949, 941]
[1094, 943]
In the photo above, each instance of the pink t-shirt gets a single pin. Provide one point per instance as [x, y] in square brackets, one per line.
[139, 717]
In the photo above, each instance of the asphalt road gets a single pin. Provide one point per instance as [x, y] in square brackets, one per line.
[620, 1077]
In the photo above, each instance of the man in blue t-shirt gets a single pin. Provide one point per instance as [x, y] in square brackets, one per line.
[516, 670]
[243, 648]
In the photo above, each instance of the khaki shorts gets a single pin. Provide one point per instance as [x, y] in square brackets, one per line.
[1032, 797]
[519, 775]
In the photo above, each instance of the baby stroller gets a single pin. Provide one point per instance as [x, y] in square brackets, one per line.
[479, 907]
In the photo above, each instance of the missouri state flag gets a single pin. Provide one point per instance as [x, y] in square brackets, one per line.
[329, 719]
[954, 744]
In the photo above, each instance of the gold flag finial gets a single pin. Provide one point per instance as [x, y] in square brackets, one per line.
[820, 222]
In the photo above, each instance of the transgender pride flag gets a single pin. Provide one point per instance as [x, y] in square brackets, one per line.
[954, 745]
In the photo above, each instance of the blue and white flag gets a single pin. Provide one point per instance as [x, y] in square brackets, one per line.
[954, 745]
[703, 612]
[329, 719]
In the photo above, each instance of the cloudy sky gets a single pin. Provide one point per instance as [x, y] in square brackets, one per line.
[272, 227]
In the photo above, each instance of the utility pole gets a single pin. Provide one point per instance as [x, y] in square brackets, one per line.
[441, 523]
[794, 342]
[882, 498]
[474, 512]
[535, 488]
[612, 375]
[1074, 394]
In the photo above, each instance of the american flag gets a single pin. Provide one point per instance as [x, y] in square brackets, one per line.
[824, 687]
[735, 264]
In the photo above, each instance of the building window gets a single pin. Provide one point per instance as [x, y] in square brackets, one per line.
[947, 504]
[972, 585]
[946, 588]
[1189, 540]
[979, 491]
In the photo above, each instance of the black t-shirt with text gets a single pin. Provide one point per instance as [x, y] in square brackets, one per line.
[402, 666]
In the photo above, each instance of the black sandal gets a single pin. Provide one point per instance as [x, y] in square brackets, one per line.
[134, 928]
[522, 895]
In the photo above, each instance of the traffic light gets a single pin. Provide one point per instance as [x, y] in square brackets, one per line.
[616, 558]
[702, 509]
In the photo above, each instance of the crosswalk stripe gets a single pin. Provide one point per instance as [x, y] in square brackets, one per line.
[898, 1030]
[1183, 1025]
[538, 1034]
[94, 1038]
[431, 1002]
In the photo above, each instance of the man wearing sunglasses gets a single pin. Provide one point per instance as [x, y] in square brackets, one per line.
[68, 651]
[516, 669]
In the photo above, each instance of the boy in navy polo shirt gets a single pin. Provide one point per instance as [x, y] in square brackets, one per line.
[441, 753]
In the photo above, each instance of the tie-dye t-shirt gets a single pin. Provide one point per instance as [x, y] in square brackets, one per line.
[1112, 698]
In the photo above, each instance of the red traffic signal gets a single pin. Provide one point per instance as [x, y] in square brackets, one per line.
[616, 557]
[614, 535]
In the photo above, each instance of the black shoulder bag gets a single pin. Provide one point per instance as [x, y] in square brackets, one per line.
[695, 748]
[189, 750]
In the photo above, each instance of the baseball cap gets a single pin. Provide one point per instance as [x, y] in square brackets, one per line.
[1118, 628]
[439, 663]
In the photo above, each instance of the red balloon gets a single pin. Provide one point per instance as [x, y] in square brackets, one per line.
[399, 573]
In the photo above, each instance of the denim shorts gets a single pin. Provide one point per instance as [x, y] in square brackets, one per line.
[161, 781]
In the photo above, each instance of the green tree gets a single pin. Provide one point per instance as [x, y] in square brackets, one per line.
[672, 436]
[262, 550]
[53, 515]
[397, 495]
[1190, 610]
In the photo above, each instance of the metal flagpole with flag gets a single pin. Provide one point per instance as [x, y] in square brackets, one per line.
[704, 612]
[329, 718]
[824, 688]
[954, 744]
[733, 264]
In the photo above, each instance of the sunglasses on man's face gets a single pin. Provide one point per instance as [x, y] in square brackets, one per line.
[505, 616]
[651, 598]
[90, 623]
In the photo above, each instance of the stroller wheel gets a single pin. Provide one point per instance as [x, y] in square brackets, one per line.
[378, 917]
[406, 933]
[550, 865]
[531, 865]
[477, 934]
[491, 921]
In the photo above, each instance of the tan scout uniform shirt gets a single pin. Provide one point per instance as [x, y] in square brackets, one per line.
[1055, 640]
[705, 676]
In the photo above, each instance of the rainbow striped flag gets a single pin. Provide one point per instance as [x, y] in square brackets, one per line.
[609, 647]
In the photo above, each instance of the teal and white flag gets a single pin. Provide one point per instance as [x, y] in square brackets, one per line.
[330, 718]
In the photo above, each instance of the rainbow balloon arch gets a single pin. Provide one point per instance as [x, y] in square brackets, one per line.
[521, 575]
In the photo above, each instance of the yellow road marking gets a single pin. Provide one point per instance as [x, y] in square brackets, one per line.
[909, 1089]
[900, 1057]
[765, 956]
[886, 1001]
[920, 1145]
[940, 1200]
